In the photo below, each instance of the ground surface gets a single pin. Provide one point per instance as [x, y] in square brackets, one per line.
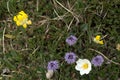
[26, 52]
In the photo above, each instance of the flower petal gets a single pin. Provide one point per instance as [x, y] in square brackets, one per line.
[15, 18]
[18, 23]
[77, 67]
[97, 37]
[29, 22]
[24, 25]
[101, 42]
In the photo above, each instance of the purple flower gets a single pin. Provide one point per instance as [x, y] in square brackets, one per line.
[53, 65]
[97, 61]
[70, 57]
[71, 40]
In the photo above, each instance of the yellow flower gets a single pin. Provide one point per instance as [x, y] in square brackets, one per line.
[118, 47]
[98, 40]
[21, 19]
[84, 66]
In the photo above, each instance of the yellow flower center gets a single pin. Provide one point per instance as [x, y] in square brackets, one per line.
[85, 66]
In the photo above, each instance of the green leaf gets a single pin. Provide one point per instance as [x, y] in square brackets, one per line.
[84, 27]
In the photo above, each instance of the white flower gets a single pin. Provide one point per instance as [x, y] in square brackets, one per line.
[49, 74]
[84, 66]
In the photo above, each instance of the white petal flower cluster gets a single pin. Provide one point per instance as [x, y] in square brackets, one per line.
[83, 65]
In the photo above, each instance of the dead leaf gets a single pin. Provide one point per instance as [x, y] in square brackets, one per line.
[9, 36]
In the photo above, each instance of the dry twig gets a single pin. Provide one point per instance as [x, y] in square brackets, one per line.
[105, 56]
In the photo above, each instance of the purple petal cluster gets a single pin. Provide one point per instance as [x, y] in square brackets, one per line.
[97, 61]
[71, 40]
[70, 57]
[53, 65]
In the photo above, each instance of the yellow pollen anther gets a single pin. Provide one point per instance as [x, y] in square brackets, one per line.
[85, 66]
